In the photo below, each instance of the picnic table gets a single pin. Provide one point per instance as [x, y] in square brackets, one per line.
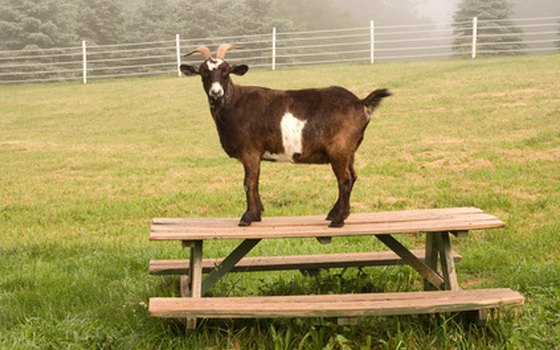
[435, 263]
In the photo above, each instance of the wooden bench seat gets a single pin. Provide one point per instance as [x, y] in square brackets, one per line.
[295, 262]
[345, 305]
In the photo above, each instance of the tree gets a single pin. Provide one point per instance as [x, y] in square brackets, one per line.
[154, 20]
[37, 24]
[157, 19]
[102, 21]
[496, 33]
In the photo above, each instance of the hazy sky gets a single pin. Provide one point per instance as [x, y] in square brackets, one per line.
[442, 10]
[439, 10]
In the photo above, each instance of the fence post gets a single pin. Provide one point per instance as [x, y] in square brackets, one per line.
[178, 49]
[474, 35]
[274, 48]
[84, 62]
[372, 43]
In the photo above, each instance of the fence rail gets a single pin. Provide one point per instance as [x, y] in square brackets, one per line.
[366, 44]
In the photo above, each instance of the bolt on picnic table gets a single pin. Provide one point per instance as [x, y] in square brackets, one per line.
[436, 264]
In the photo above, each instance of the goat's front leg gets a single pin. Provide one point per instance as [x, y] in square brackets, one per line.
[252, 166]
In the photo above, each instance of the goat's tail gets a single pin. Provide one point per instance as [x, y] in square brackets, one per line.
[374, 99]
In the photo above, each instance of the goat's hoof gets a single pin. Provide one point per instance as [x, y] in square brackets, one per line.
[334, 214]
[244, 223]
[247, 219]
[337, 223]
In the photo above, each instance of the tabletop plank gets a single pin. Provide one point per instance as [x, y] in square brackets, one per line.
[408, 221]
[313, 220]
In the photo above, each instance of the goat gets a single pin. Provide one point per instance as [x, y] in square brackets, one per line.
[254, 123]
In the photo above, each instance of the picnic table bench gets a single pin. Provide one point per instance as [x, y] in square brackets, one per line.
[435, 263]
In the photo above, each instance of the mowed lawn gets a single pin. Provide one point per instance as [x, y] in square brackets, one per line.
[84, 169]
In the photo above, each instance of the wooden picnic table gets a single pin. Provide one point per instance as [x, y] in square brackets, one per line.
[435, 263]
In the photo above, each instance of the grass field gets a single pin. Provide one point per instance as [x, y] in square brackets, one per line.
[83, 169]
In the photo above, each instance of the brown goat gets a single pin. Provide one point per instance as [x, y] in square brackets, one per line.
[300, 126]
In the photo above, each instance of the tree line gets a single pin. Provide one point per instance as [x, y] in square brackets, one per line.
[28, 24]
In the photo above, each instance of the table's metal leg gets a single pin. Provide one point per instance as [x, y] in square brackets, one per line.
[195, 277]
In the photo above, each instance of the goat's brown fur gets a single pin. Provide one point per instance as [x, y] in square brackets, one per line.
[248, 119]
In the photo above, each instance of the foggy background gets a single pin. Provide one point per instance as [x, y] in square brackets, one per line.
[59, 23]
[442, 10]
[51, 40]
[407, 11]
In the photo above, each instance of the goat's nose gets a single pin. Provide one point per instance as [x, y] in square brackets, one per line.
[216, 90]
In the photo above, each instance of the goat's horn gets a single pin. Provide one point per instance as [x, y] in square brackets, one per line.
[203, 50]
[222, 49]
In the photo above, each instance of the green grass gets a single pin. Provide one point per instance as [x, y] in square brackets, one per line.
[83, 169]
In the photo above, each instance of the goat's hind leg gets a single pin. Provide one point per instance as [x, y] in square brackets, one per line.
[331, 214]
[345, 175]
[336, 208]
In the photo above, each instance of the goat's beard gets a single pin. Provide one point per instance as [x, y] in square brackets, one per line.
[216, 102]
[217, 114]
[216, 108]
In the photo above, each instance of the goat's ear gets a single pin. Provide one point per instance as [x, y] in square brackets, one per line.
[240, 69]
[189, 71]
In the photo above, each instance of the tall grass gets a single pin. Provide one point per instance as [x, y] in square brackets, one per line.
[83, 169]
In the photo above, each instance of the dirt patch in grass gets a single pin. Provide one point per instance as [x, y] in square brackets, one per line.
[458, 163]
[529, 155]
[24, 145]
[529, 93]
[521, 194]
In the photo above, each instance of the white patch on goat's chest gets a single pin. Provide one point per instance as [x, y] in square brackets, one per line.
[214, 64]
[292, 137]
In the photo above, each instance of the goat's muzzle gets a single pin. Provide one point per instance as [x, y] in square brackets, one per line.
[216, 91]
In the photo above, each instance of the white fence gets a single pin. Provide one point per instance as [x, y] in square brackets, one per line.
[366, 44]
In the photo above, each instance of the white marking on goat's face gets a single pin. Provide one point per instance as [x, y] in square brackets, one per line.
[292, 137]
[216, 90]
[214, 64]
